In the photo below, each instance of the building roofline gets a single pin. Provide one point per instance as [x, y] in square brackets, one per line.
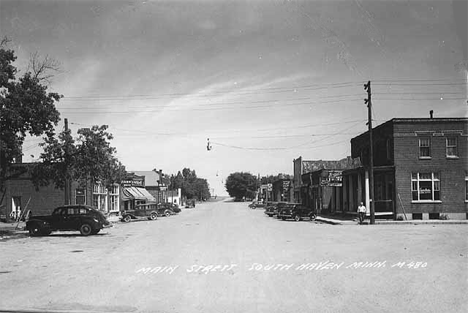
[402, 120]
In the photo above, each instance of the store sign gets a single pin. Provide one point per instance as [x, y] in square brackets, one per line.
[134, 182]
[333, 179]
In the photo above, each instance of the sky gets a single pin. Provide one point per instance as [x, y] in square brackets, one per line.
[265, 81]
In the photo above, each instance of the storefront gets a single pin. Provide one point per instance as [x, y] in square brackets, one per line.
[134, 192]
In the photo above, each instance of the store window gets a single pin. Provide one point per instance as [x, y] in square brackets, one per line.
[80, 196]
[452, 147]
[114, 198]
[425, 186]
[425, 147]
[99, 197]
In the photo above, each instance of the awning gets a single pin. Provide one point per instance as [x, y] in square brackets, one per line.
[136, 193]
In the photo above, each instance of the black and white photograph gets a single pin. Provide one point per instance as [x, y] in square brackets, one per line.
[233, 156]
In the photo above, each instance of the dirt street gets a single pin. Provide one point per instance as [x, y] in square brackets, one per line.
[225, 257]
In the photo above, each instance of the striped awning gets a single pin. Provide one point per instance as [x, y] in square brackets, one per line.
[137, 193]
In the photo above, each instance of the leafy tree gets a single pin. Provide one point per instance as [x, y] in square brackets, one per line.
[269, 179]
[88, 157]
[25, 108]
[201, 189]
[241, 184]
[191, 185]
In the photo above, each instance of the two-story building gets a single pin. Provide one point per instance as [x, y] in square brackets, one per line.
[420, 169]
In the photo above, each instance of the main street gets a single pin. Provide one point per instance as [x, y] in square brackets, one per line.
[225, 257]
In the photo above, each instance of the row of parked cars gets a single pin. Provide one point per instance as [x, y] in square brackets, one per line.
[289, 210]
[89, 221]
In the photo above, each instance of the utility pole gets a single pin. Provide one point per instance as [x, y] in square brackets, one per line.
[368, 101]
[67, 185]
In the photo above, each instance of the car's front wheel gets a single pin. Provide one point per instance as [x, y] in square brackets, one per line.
[35, 230]
[153, 216]
[127, 218]
[167, 213]
[312, 216]
[86, 229]
[297, 218]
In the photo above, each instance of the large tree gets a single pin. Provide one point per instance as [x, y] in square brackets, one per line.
[89, 157]
[241, 184]
[26, 107]
[269, 179]
[191, 185]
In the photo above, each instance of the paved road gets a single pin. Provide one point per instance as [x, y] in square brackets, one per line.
[224, 257]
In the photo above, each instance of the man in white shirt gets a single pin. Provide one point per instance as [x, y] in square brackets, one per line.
[362, 212]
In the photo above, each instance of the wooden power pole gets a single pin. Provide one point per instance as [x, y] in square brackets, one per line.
[368, 101]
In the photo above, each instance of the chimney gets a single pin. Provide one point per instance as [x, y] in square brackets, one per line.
[431, 112]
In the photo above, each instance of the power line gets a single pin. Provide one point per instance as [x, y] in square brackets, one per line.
[90, 110]
[241, 92]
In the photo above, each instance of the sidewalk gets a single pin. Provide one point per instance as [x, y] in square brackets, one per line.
[9, 229]
[350, 220]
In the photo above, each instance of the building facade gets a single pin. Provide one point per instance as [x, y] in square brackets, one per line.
[21, 195]
[282, 190]
[322, 188]
[420, 169]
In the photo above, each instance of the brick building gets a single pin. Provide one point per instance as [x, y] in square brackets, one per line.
[21, 194]
[420, 169]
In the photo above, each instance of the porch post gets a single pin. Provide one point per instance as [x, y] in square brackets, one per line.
[352, 207]
[367, 191]
[345, 193]
[359, 184]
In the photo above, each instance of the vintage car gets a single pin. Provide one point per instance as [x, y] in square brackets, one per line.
[297, 212]
[141, 211]
[190, 204]
[168, 209]
[270, 208]
[82, 218]
[257, 204]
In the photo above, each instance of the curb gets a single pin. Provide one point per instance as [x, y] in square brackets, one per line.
[328, 221]
[410, 222]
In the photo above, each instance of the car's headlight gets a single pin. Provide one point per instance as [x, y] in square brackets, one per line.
[96, 220]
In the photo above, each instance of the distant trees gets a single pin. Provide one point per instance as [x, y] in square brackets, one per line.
[25, 107]
[241, 184]
[270, 179]
[192, 186]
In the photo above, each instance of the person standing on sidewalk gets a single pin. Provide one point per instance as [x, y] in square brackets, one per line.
[362, 212]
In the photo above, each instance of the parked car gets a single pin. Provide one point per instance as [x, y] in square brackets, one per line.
[141, 211]
[296, 212]
[85, 219]
[165, 209]
[257, 204]
[174, 207]
[270, 208]
[190, 204]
